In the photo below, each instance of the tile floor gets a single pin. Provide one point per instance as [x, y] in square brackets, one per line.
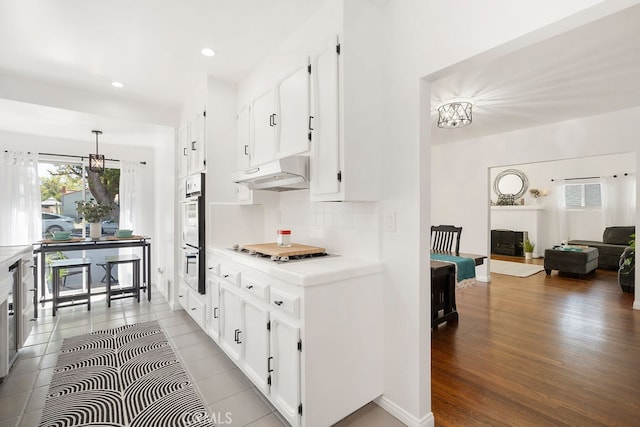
[223, 387]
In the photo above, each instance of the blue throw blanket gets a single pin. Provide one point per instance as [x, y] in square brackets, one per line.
[466, 266]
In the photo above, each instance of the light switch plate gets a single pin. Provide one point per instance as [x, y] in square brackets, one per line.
[390, 221]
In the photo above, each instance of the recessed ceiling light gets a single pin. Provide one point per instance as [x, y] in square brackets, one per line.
[207, 52]
[117, 84]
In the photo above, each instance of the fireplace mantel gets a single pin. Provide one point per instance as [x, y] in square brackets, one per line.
[519, 218]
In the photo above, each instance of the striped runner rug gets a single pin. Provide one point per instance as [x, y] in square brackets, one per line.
[125, 376]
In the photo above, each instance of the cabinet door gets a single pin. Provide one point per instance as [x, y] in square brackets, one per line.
[213, 319]
[325, 141]
[244, 137]
[183, 295]
[230, 324]
[27, 309]
[285, 367]
[197, 144]
[292, 119]
[255, 344]
[263, 126]
[197, 308]
[183, 154]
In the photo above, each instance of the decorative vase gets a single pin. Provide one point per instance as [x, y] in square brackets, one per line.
[95, 230]
[528, 255]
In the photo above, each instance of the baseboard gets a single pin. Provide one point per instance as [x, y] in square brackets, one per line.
[485, 279]
[404, 416]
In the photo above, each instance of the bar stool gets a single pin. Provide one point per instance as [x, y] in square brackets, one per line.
[56, 269]
[123, 292]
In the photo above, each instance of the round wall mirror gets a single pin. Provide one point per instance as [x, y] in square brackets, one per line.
[511, 183]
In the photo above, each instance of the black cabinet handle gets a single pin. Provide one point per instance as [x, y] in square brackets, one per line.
[193, 309]
[310, 117]
[246, 147]
[215, 312]
[184, 151]
[278, 303]
[249, 286]
[274, 119]
[271, 120]
[269, 368]
[237, 336]
[193, 145]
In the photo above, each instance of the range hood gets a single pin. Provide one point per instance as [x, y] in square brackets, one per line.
[289, 173]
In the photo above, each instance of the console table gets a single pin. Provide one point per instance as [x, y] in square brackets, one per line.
[44, 247]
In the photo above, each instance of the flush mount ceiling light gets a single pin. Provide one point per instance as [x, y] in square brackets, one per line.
[455, 113]
[96, 161]
[207, 52]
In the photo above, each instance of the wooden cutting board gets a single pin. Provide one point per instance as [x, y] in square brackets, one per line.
[274, 249]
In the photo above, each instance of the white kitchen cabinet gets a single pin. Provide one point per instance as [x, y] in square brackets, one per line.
[183, 295]
[183, 152]
[292, 113]
[197, 308]
[324, 343]
[263, 118]
[230, 322]
[213, 319]
[197, 143]
[326, 176]
[284, 367]
[280, 118]
[254, 338]
[244, 137]
[27, 292]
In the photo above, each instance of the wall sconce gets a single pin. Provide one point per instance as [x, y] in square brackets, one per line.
[96, 161]
[535, 193]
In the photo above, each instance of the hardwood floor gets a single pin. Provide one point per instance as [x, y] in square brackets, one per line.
[539, 351]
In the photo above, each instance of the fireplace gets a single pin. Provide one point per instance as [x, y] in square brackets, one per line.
[507, 242]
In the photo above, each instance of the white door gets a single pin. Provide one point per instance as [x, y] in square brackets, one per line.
[292, 124]
[325, 161]
[230, 324]
[285, 368]
[255, 344]
[197, 144]
[263, 136]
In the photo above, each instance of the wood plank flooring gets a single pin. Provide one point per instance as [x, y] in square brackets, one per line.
[539, 351]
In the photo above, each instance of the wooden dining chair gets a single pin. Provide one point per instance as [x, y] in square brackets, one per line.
[444, 237]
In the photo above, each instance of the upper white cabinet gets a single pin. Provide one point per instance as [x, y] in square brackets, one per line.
[326, 176]
[280, 118]
[292, 117]
[243, 125]
[192, 145]
[196, 147]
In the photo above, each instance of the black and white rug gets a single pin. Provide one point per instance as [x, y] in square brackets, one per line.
[126, 376]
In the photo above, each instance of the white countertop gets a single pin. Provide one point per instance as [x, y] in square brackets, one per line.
[8, 253]
[310, 272]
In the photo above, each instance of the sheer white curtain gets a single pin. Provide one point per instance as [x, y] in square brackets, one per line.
[130, 207]
[561, 231]
[619, 200]
[20, 200]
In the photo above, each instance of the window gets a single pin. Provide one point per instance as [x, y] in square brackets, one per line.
[583, 196]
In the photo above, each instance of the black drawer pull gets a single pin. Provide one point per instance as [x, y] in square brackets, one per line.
[278, 303]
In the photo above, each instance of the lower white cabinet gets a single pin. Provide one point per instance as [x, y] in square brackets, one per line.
[284, 367]
[193, 303]
[314, 352]
[27, 292]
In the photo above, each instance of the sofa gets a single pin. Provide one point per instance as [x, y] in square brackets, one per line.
[614, 241]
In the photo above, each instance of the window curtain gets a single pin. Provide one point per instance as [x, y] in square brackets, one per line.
[561, 232]
[619, 200]
[20, 199]
[130, 207]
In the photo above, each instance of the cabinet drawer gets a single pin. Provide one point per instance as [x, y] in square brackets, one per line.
[183, 295]
[287, 303]
[260, 290]
[230, 276]
[214, 268]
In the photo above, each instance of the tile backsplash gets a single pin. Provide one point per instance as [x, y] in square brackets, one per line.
[347, 228]
[343, 228]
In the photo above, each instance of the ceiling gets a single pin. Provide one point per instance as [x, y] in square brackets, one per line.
[590, 70]
[153, 48]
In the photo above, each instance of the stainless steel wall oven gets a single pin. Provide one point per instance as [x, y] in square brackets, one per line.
[193, 265]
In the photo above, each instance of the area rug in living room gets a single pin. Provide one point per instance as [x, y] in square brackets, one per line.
[517, 269]
[125, 376]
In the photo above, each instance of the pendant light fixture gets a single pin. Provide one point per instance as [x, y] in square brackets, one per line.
[96, 161]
